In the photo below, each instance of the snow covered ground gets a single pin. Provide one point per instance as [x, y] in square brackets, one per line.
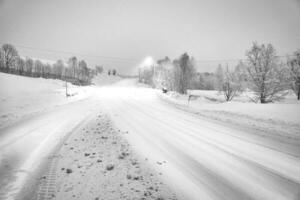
[276, 118]
[286, 110]
[44, 121]
[23, 96]
[202, 158]
[204, 150]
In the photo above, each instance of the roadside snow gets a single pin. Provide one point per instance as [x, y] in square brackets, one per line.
[280, 117]
[21, 96]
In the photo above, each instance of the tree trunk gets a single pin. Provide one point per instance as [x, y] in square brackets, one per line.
[263, 99]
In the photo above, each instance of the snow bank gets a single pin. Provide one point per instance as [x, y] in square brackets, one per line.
[21, 96]
[287, 111]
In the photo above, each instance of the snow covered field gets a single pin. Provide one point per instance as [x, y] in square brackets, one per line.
[286, 110]
[22, 96]
[279, 118]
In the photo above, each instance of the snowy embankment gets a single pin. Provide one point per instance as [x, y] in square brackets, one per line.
[22, 96]
[281, 117]
[25, 96]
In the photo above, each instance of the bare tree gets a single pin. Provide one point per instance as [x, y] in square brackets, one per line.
[294, 68]
[47, 70]
[28, 66]
[73, 62]
[83, 71]
[266, 76]
[58, 69]
[231, 86]
[10, 56]
[38, 67]
[2, 65]
[20, 65]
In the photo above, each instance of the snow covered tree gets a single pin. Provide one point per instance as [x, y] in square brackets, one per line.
[20, 65]
[187, 72]
[83, 72]
[108, 72]
[114, 72]
[47, 70]
[201, 82]
[241, 75]
[164, 74]
[28, 66]
[73, 63]
[58, 69]
[219, 74]
[9, 56]
[294, 68]
[267, 78]
[38, 67]
[99, 69]
[2, 65]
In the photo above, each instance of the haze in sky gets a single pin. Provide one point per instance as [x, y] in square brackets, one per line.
[121, 33]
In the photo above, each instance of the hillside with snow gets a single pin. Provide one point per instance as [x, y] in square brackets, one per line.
[22, 96]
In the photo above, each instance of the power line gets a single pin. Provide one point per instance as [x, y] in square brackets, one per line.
[75, 53]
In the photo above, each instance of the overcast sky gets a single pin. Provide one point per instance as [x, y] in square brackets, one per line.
[130, 30]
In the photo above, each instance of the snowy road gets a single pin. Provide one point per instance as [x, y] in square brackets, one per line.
[198, 158]
[27, 144]
[203, 159]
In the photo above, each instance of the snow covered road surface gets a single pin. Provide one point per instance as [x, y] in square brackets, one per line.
[204, 159]
[96, 162]
[28, 143]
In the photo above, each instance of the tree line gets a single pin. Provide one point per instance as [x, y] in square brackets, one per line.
[74, 71]
[262, 73]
